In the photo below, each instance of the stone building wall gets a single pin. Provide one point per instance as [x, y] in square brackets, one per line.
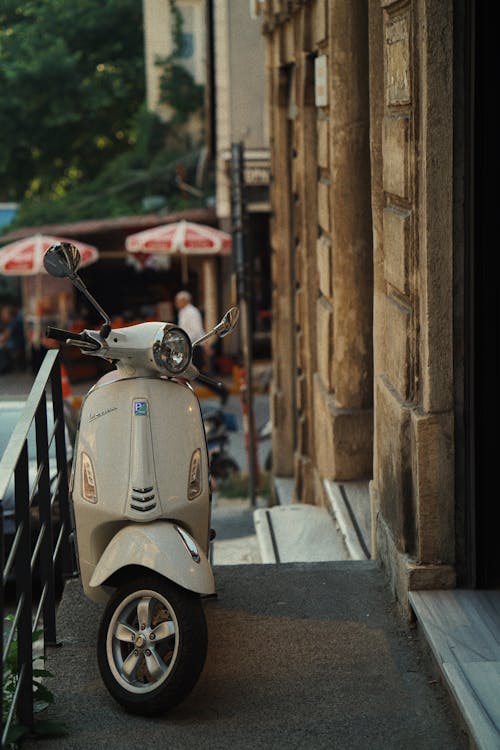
[322, 398]
[412, 492]
[361, 142]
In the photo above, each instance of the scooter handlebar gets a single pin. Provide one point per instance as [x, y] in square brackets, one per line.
[208, 380]
[59, 334]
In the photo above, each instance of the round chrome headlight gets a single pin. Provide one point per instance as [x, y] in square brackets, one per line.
[172, 350]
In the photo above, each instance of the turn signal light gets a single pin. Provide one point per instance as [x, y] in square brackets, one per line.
[194, 483]
[89, 489]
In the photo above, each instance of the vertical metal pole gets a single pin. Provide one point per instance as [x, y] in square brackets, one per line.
[243, 270]
[24, 596]
[1, 616]
[45, 561]
[66, 552]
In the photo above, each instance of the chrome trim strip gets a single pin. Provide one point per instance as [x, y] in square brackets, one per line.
[189, 543]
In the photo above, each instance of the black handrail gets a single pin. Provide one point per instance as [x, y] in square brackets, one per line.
[32, 552]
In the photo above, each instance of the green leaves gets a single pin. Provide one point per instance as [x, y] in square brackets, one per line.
[42, 696]
[77, 140]
[179, 89]
[71, 79]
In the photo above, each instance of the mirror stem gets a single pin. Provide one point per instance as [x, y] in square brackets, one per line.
[106, 328]
[208, 335]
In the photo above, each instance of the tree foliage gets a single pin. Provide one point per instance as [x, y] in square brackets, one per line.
[178, 88]
[148, 169]
[71, 80]
[78, 140]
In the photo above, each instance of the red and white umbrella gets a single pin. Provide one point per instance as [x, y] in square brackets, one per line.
[183, 237]
[25, 257]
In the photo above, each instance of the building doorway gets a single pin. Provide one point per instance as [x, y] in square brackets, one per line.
[482, 560]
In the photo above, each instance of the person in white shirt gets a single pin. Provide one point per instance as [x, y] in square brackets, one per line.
[188, 316]
[190, 320]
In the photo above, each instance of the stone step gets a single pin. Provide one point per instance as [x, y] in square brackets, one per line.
[298, 533]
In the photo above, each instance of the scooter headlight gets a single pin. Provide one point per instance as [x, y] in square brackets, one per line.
[172, 350]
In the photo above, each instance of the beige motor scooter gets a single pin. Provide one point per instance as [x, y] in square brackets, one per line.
[141, 498]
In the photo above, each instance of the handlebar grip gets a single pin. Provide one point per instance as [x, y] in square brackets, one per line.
[60, 334]
[215, 385]
[85, 341]
[208, 380]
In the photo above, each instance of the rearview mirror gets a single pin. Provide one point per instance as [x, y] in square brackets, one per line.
[225, 326]
[62, 260]
[229, 321]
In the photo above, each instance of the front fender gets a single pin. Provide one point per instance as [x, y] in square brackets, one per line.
[160, 547]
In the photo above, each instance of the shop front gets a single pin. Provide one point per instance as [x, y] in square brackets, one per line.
[130, 290]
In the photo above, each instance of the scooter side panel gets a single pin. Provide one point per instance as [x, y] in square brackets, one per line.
[159, 547]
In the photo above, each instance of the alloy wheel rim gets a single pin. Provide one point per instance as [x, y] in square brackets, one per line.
[142, 641]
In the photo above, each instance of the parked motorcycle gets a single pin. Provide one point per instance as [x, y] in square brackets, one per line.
[141, 500]
[264, 433]
[223, 467]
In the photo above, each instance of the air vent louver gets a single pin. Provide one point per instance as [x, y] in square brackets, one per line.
[143, 496]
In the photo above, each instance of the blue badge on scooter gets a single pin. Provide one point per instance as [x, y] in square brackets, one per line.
[140, 408]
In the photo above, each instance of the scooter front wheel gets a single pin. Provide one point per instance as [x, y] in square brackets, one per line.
[152, 644]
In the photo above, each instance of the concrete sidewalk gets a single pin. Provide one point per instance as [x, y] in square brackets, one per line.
[300, 656]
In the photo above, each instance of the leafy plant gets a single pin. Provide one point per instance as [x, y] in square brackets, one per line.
[237, 486]
[178, 88]
[42, 696]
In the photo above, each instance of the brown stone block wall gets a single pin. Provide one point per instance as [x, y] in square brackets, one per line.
[398, 333]
[324, 204]
[322, 314]
[323, 140]
[351, 227]
[397, 247]
[324, 265]
[396, 156]
[320, 496]
[289, 43]
[349, 430]
[304, 483]
[396, 290]
[319, 21]
[432, 437]
[283, 332]
[411, 137]
[394, 470]
[301, 391]
[325, 336]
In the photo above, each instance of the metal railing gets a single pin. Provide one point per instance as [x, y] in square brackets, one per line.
[41, 539]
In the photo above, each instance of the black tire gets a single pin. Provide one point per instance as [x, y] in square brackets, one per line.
[224, 469]
[177, 651]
